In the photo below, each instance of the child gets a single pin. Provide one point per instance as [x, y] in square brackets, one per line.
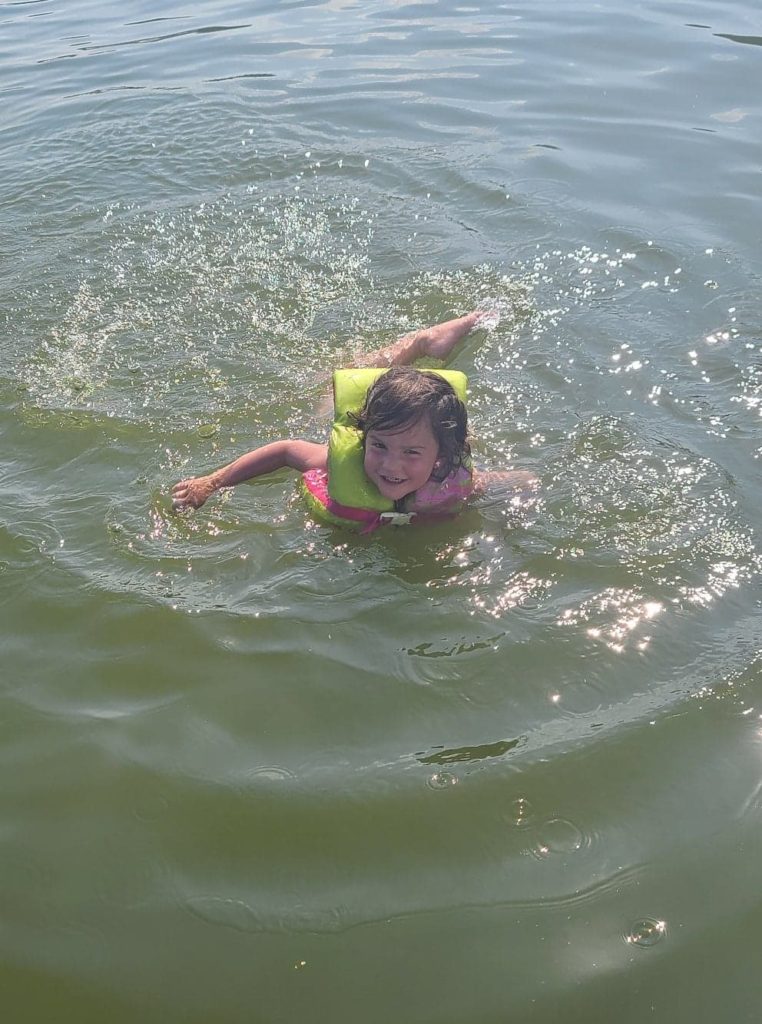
[414, 440]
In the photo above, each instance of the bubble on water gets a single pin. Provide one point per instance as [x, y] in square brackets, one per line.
[557, 836]
[441, 780]
[645, 932]
[522, 812]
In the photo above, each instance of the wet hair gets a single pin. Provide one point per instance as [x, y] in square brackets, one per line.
[402, 396]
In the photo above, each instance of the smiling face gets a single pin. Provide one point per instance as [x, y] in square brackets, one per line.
[398, 462]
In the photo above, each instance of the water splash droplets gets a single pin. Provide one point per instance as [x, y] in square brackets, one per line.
[241, 274]
[492, 309]
[522, 812]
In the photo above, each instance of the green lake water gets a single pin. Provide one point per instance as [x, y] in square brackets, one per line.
[504, 769]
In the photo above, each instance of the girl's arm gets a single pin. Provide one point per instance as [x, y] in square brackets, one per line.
[512, 483]
[298, 455]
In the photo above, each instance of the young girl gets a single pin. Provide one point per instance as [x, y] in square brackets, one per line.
[415, 456]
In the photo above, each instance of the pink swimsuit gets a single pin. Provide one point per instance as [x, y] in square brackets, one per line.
[436, 498]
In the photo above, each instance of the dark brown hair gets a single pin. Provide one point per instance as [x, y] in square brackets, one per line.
[402, 396]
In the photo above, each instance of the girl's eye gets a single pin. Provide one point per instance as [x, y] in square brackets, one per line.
[377, 444]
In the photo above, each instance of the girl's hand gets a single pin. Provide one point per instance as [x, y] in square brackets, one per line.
[192, 493]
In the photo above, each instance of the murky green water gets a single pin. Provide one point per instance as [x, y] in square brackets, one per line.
[507, 769]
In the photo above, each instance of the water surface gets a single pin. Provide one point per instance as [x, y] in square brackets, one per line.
[257, 769]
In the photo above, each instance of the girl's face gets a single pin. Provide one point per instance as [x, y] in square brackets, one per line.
[399, 462]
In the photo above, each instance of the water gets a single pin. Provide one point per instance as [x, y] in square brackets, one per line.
[256, 769]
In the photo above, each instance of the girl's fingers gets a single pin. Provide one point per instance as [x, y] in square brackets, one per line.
[180, 496]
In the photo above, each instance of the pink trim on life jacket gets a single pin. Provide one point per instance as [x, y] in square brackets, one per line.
[316, 482]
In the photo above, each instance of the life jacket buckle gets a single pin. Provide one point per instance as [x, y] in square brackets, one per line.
[396, 518]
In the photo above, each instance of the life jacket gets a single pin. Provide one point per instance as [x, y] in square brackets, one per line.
[344, 496]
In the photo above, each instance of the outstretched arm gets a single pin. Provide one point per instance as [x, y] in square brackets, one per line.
[515, 484]
[298, 455]
[435, 342]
